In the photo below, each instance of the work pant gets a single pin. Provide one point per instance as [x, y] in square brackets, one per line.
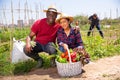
[98, 28]
[48, 48]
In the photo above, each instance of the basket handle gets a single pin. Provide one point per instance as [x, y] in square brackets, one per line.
[69, 55]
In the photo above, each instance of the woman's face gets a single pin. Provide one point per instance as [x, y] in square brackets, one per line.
[64, 23]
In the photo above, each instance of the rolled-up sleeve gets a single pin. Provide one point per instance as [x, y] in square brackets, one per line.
[35, 26]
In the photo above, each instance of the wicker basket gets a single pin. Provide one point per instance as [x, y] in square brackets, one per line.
[69, 69]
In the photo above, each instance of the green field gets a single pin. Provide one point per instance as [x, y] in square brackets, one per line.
[94, 45]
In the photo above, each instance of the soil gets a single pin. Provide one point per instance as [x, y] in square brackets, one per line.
[102, 69]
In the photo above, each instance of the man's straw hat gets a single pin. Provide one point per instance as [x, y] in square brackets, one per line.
[63, 15]
[52, 8]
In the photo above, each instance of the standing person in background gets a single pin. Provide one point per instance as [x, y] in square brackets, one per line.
[77, 25]
[44, 30]
[94, 22]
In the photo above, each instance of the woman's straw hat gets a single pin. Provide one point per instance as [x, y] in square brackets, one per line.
[52, 8]
[63, 15]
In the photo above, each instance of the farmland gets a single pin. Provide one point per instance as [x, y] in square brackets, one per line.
[96, 46]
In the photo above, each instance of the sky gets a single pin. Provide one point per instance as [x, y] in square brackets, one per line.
[104, 8]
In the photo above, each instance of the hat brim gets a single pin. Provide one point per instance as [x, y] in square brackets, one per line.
[52, 11]
[70, 18]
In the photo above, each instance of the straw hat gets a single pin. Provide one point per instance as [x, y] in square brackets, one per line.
[52, 8]
[63, 15]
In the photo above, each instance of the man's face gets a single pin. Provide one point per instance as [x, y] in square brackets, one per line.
[94, 17]
[51, 17]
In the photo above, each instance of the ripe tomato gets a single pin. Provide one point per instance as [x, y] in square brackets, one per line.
[73, 60]
[66, 53]
[63, 55]
[66, 56]
[73, 55]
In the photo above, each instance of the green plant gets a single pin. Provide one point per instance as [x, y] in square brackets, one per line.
[6, 68]
[46, 59]
[94, 45]
[24, 67]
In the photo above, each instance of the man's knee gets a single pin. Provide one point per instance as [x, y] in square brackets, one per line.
[50, 49]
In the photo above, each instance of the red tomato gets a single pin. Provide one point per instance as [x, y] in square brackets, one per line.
[63, 55]
[68, 59]
[73, 60]
[66, 56]
[73, 55]
[66, 53]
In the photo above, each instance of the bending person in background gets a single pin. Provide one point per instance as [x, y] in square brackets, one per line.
[94, 22]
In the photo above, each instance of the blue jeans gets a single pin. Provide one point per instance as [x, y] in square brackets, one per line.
[41, 48]
[98, 28]
[61, 48]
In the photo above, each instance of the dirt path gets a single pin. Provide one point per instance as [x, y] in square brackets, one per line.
[103, 69]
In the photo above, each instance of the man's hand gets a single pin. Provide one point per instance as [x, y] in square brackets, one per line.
[28, 48]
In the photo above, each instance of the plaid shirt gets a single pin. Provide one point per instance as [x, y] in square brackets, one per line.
[73, 40]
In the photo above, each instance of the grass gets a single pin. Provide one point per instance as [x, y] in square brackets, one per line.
[94, 45]
[6, 68]
[24, 67]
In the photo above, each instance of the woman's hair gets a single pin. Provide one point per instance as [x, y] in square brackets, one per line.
[68, 20]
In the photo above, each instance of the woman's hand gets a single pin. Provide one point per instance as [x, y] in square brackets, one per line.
[65, 46]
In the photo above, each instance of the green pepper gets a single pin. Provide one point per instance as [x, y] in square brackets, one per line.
[62, 60]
